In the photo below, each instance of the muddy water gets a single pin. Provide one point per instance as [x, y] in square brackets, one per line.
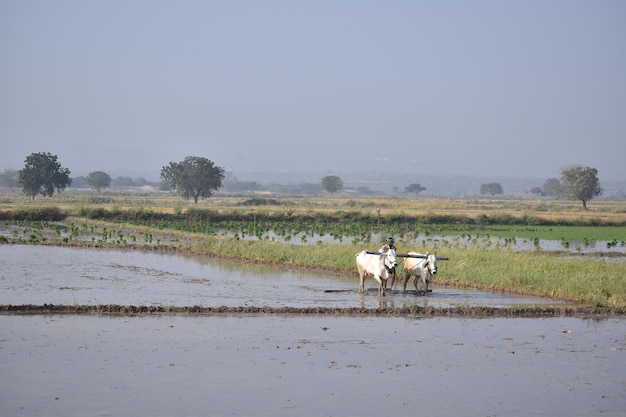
[31, 274]
[282, 365]
[310, 366]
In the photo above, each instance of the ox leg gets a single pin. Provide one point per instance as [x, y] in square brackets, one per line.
[381, 285]
[424, 278]
[361, 281]
[393, 280]
[405, 278]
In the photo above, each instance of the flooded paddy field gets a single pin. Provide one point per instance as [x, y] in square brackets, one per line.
[31, 274]
[39, 232]
[284, 365]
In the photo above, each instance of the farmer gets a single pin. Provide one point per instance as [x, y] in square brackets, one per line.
[389, 245]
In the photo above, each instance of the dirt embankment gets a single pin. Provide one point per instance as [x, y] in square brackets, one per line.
[413, 311]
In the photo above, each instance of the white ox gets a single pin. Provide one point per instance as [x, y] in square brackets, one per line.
[420, 268]
[379, 265]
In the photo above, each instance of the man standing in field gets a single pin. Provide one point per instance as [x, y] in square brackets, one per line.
[389, 244]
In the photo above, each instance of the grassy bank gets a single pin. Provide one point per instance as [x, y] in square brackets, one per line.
[530, 273]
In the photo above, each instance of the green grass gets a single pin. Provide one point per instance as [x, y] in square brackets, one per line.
[583, 280]
[586, 281]
[592, 233]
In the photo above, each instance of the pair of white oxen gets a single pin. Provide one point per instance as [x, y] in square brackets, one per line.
[381, 266]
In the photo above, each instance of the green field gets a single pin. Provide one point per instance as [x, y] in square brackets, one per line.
[567, 233]
[199, 230]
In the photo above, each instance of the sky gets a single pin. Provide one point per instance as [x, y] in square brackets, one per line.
[485, 87]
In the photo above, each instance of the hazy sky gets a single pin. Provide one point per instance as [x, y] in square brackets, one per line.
[503, 88]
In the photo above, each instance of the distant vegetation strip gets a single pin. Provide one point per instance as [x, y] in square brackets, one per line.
[215, 216]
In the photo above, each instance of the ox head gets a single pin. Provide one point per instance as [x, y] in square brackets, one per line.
[391, 261]
[431, 263]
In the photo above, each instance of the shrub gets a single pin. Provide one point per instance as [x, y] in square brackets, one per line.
[34, 214]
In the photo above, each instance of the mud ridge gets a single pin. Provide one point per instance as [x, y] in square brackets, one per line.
[413, 311]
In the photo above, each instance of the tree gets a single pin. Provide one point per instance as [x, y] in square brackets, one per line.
[80, 182]
[9, 178]
[332, 183]
[414, 188]
[194, 177]
[580, 183]
[492, 188]
[552, 187]
[123, 182]
[537, 191]
[43, 174]
[98, 180]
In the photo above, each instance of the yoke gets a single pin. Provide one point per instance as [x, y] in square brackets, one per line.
[406, 255]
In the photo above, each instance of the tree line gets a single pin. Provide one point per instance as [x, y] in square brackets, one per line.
[198, 178]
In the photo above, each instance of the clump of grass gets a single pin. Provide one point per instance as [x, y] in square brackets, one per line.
[36, 213]
[325, 256]
[582, 280]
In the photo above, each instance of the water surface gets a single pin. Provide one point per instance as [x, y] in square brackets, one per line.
[310, 366]
[31, 274]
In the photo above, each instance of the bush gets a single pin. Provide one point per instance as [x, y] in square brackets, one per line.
[260, 202]
[34, 214]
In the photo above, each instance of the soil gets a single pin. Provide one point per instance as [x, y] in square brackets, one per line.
[409, 312]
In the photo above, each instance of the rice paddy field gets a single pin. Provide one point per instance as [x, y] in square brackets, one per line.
[481, 237]
[121, 304]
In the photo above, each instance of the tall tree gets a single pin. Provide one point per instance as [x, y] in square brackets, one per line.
[123, 182]
[98, 180]
[414, 188]
[43, 174]
[332, 183]
[9, 178]
[194, 177]
[80, 182]
[492, 188]
[552, 187]
[580, 183]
